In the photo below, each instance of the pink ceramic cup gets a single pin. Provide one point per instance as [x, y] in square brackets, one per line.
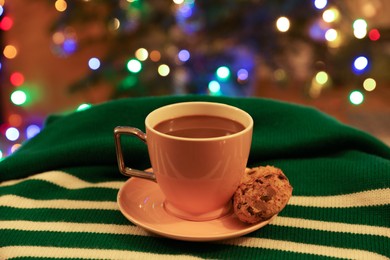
[198, 176]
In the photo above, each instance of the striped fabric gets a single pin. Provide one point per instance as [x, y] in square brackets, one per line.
[58, 191]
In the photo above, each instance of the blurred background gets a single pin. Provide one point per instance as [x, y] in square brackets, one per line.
[62, 56]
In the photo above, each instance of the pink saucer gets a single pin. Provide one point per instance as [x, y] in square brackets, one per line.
[141, 202]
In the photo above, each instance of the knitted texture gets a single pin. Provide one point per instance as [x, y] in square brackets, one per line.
[58, 191]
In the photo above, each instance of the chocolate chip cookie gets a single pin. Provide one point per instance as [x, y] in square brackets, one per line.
[262, 193]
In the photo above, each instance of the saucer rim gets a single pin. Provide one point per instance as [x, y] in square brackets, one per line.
[187, 237]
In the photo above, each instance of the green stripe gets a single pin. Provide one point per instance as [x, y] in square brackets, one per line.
[43, 190]
[119, 241]
[148, 244]
[375, 215]
[349, 216]
[68, 215]
[334, 239]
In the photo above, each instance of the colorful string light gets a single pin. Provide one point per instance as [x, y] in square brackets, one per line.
[325, 28]
[360, 64]
[6, 23]
[223, 72]
[374, 35]
[18, 97]
[320, 4]
[283, 24]
[32, 130]
[94, 63]
[356, 97]
[12, 134]
[16, 79]
[214, 87]
[184, 55]
[134, 65]
[163, 70]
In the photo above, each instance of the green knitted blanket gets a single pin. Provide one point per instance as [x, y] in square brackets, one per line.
[58, 191]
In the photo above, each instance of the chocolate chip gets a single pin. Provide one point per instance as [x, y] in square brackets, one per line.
[251, 211]
[251, 172]
[266, 198]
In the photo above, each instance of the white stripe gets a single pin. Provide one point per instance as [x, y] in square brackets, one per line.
[65, 180]
[303, 248]
[73, 227]
[57, 252]
[359, 199]
[247, 241]
[16, 251]
[331, 226]
[26, 203]
[375, 197]
[129, 229]
[26, 225]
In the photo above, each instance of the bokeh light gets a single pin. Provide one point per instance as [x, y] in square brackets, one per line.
[280, 75]
[58, 38]
[15, 147]
[360, 63]
[184, 55]
[369, 84]
[331, 35]
[356, 97]
[360, 34]
[94, 63]
[32, 130]
[6, 23]
[359, 28]
[320, 4]
[12, 134]
[322, 77]
[141, 54]
[184, 11]
[359, 24]
[214, 86]
[134, 65]
[60, 5]
[223, 72]
[330, 15]
[10, 52]
[242, 74]
[18, 97]
[163, 70]
[283, 24]
[155, 55]
[15, 120]
[83, 106]
[317, 31]
[128, 82]
[69, 45]
[374, 35]
[16, 79]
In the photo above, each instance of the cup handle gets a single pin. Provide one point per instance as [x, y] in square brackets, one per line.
[129, 172]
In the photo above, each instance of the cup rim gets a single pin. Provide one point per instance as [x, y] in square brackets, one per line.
[247, 128]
